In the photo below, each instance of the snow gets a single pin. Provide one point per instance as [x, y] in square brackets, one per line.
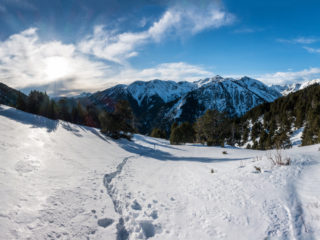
[293, 87]
[235, 96]
[60, 180]
[296, 137]
[166, 90]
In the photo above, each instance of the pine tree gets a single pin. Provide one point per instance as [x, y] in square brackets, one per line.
[119, 123]
[52, 110]
[158, 133]
[176, 136]
[21, 102]
[212, 128]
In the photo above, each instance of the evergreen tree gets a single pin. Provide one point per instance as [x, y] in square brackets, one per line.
[176, 136]
[52, 110]
[21, 102]
[212, 128]
[63, 110]
[158, 133]
[119, 123]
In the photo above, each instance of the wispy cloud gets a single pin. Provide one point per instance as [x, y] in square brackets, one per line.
[312, 50]
[290, 76]
[191, 18]
[300, 40]
[247, 30]
[22, 4]
[176, 71]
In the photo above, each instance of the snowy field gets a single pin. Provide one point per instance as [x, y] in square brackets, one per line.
[63, 181]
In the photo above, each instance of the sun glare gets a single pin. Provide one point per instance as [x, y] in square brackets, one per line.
[57, 67]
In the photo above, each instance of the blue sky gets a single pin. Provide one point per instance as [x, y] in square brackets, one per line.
[66, 47]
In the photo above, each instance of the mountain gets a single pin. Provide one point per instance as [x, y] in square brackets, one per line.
[158, 103]
[9, 96]
[289, 120]
[293, 87]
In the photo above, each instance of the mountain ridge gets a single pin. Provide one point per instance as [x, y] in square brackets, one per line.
[160, 103]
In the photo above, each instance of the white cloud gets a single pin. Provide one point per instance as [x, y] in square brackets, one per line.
[300, 40]
[312, 50]
[180, 20]
[305, 40]
[110, 45]
[290, 76]
[25, 61]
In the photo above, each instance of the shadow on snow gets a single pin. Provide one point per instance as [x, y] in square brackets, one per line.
[30, 119]
[149, 152]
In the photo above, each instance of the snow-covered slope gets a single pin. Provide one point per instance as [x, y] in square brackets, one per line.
[290, 88]
[228, 95]
[63, 181]
[51, 178]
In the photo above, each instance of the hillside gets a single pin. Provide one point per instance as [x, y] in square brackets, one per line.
[271, 124]
[9, 96]
[66, 181]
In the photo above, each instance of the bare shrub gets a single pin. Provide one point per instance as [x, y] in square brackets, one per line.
[212, 171]
[278, 159]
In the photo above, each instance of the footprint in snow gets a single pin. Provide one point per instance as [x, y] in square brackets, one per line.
[105, 222]
[136, 206]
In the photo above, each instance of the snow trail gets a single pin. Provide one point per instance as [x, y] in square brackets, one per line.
[308, 195]
[122, 233]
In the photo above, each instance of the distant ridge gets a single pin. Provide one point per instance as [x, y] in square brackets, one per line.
[159, 103]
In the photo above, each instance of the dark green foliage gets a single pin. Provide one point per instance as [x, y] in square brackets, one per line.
[158, 133]
[36, 101]
[298, 109]
[52, 110]
[119, 123]
[9, 96]
[212, 128]
[78, 114]
[21, 102]
[184, 133]
[176, 136]
[64, 110]
[91, 118]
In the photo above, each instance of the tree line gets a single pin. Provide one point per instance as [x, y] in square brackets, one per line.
[117, 124]
[266, 126]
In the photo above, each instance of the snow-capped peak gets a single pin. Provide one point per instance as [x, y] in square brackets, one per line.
[166, 90]
[293, 87]
[206, 81]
